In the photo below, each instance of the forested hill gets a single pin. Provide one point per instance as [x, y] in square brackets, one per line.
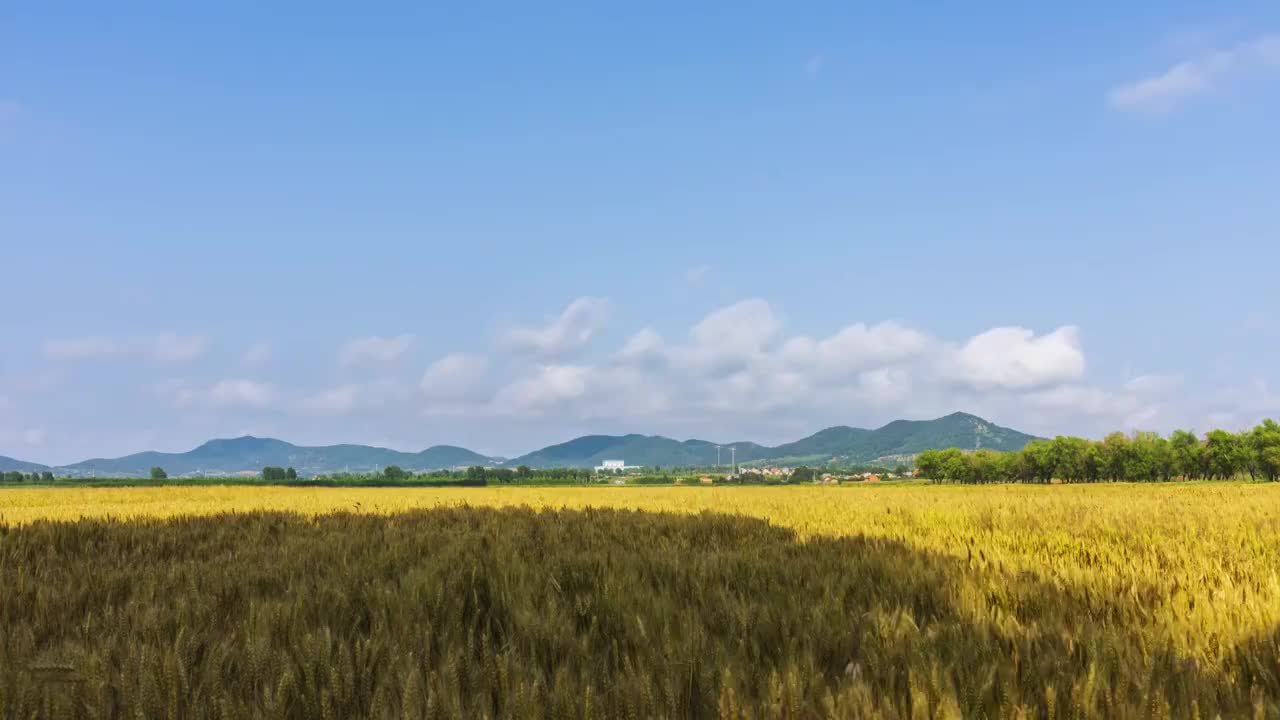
[8, 464]
[894, 442]
[252, 454]
[903, 438]
[592, 450]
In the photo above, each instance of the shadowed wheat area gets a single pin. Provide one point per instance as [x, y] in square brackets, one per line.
[518, 613]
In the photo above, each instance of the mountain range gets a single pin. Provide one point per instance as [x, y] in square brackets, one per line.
[897, 441]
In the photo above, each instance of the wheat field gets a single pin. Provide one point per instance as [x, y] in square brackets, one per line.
[862, 601]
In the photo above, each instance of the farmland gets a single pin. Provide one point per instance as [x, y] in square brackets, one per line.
[1115, 600]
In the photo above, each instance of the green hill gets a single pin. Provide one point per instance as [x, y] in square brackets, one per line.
[889, 444]
[895, 441]
[218, 457]
[8, 464]
[902, 438]
[592, 450]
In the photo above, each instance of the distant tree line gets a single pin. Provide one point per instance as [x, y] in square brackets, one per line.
[390, 475]
[13, 477]
[525, 474]
[1140, 457]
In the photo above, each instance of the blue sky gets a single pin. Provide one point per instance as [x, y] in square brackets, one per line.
[504, 225]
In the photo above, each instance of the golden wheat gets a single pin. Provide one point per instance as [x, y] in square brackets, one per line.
[1163, 599]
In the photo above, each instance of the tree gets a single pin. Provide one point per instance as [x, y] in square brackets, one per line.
[523, 472]
[1142, 461]
[158, 473]
[1037, 462]
[1225, 454]
[1093, 463]
[803, 474]
[929, 463]
[956, 466]
[1007, 467]
[394, 473]
[1162, 458]
[982, 467]
[1187, 453]
[290, 474]
[274, 474]
[476, 475]
[13, 477]
[46, 477]
[1264, 446]
[499, 475]
[1070, 457]
[1115, 455]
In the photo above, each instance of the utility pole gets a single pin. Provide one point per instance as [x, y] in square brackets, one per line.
[717, 456]
[733, 453]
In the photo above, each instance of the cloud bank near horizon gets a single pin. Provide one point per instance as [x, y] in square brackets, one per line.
[737, 373]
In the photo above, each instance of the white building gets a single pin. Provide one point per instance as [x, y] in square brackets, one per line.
[612, 466]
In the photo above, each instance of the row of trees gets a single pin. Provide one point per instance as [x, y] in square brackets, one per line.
[13, 477]
[476, 475]
[1140, 457]
[504, 476]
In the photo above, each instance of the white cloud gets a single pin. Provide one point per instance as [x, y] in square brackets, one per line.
[257, 355]
[739, 372]
[223, 394]
[1238, 406]
[743, 327]
[1143, 403]
[374, 350]
[576, 326]
[855, 348]
[583, 391]
[1196, 76]
[549, 387]
[240, 393]
[737, 363]
[645, 343]
[454, 377]
[885, 387]
[384, 395]
[1013, 358]
[168, 348]
[1084, 400]
[339, 400]
[728, 340]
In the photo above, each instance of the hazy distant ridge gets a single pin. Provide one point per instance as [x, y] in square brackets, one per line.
[899, 438]
[853, 445]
